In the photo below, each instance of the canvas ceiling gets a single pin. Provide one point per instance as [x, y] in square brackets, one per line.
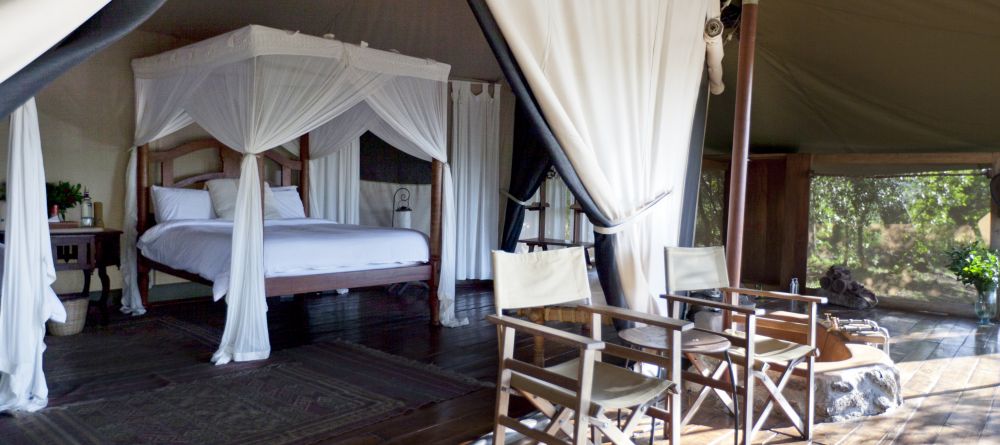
[864, 76]
[443, 30]
[844, 76]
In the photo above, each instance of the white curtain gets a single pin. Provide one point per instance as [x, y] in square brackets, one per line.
[27, 300]
[475, 138]
[158, 113]
[617, 82]
[257, 88]
[335, 184]
[417, 110]
[252, 106]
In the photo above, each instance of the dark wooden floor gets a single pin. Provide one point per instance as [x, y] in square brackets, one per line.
[397, 325]
[950, 368]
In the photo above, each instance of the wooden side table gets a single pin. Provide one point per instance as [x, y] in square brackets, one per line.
[693, 343]
[87, 249]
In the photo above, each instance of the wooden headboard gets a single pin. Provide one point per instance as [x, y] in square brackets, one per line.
[149, 161]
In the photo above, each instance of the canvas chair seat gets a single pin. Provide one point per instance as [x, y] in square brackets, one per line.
[771, 351]
[614, 387]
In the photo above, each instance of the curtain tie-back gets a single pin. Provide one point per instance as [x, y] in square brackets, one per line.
[615, 228]
[512, 198]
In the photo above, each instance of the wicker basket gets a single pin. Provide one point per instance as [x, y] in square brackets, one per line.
[76, 317]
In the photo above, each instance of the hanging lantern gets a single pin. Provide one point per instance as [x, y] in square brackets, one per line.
[402, 214]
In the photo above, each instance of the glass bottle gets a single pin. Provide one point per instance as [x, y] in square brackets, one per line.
[87, 211]
[793, 288]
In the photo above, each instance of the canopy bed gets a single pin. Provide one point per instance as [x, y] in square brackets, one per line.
[258, 88]
[304, 255]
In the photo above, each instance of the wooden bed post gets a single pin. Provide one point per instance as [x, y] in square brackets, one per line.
[437, 179]
[142, 216]
[304, 173]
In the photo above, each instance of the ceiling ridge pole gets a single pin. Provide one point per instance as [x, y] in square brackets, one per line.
[741, 146]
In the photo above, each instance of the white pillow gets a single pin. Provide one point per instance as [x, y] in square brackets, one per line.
[171, 204]
[288, 202]
[223, 199]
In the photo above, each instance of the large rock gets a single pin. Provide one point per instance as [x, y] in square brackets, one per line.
[870, 388]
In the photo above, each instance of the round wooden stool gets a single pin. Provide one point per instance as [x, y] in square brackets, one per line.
[692, 342]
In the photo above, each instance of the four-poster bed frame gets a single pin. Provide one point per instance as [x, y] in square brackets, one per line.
[276, 286]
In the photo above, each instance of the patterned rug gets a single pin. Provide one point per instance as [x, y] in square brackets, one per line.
[308, 394]
[90, 364]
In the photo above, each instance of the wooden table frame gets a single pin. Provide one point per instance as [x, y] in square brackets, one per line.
[87, 250]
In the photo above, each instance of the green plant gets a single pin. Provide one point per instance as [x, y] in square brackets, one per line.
[63, 194]
[975, 265]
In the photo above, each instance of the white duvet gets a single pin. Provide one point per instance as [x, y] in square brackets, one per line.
[291, 247]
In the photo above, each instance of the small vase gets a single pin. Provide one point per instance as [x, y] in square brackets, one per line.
[985, 305]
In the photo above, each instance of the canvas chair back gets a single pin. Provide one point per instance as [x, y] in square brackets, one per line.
[695, 268]
[522, 280]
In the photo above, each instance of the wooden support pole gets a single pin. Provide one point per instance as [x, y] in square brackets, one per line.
[741, 146]
[543, 204]
[437, 186]
[142, 182]
[994, 235]
[304, 173]
[795, 231]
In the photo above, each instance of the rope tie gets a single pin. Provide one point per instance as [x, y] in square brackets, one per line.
[620, 226]
[513, 198]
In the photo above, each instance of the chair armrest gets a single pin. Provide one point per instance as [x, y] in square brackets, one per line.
[714, 304]
[639, 317]
[546, 332]
[778, 295]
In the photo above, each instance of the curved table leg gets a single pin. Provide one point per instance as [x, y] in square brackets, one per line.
[102, 273]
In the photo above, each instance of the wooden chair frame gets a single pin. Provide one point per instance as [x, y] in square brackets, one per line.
[689, 269]
[755, 370]
[590, 350]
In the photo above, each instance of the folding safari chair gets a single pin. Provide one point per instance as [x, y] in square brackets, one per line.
[583, 389]
[689, 269]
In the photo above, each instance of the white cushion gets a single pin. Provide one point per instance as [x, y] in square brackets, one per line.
[288, 202]
[223, 199]
[171, 204]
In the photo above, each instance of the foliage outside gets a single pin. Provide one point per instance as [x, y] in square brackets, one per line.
[895, 233]
[711, 209]
[975, 265]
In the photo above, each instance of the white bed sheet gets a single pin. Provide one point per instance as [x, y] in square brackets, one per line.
[292, 247]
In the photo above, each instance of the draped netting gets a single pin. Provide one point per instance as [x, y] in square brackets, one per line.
[617, 84]
[27, 300]
[257, 88]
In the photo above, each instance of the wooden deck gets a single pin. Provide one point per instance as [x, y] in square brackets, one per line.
[950, 372]
[950, 369]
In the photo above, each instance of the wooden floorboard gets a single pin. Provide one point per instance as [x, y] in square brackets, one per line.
[949, 367]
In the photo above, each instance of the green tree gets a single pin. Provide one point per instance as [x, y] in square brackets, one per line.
[896, 229]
